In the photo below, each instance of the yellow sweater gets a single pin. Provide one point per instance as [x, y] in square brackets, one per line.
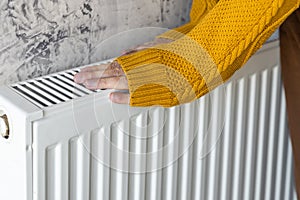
[218, 40]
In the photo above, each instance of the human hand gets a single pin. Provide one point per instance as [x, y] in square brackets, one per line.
[112, 76]
[105, 76]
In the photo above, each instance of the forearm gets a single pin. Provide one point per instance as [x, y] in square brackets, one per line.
[210, 53]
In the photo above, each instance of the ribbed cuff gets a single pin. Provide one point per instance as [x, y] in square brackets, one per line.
[147, 79]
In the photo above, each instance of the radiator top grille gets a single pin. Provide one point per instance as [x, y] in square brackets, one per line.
[53, 89]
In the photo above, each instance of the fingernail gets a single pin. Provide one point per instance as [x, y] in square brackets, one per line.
[78, 78]
[112, 97]
[86, 69]
[91, 83]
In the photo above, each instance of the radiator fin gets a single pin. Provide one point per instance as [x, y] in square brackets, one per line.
[79, 167]
[51, 90]
[118, 179]
[186, 136]
[251, 160]
[54, 169]
[169, 176]
[100, 172]
[137, 162]
[251, 136]
[154, 144]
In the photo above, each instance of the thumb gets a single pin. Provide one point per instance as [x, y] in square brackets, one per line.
[119, 97]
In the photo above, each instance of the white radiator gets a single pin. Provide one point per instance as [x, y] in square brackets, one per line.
[61, 141]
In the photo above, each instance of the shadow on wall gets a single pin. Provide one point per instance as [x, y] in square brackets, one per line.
[42, 37]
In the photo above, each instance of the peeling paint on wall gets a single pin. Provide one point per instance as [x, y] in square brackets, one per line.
[39, 37]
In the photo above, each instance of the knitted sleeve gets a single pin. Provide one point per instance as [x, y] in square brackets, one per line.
[181, 71]
[198, 10]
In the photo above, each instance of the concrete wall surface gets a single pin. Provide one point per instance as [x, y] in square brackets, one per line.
[39, 37]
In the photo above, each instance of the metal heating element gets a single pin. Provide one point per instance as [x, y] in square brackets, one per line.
[61, 141]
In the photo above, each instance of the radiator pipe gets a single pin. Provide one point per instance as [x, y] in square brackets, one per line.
[4, 126]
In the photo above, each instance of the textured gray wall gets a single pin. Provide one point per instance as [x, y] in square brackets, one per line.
[39, 37]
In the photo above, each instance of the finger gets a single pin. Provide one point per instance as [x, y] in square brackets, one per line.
[162, 40]
[145, 46]
[138, 48]
[119, 83]
[81, 77]
[120, 97]
[129, 51]
[100, 67]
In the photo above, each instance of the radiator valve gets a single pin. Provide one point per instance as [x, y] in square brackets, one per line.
[4, 127]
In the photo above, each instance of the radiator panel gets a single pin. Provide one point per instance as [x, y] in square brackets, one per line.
[251, 160]
[230, 144]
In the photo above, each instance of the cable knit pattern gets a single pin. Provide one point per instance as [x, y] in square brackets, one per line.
[206, 52]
